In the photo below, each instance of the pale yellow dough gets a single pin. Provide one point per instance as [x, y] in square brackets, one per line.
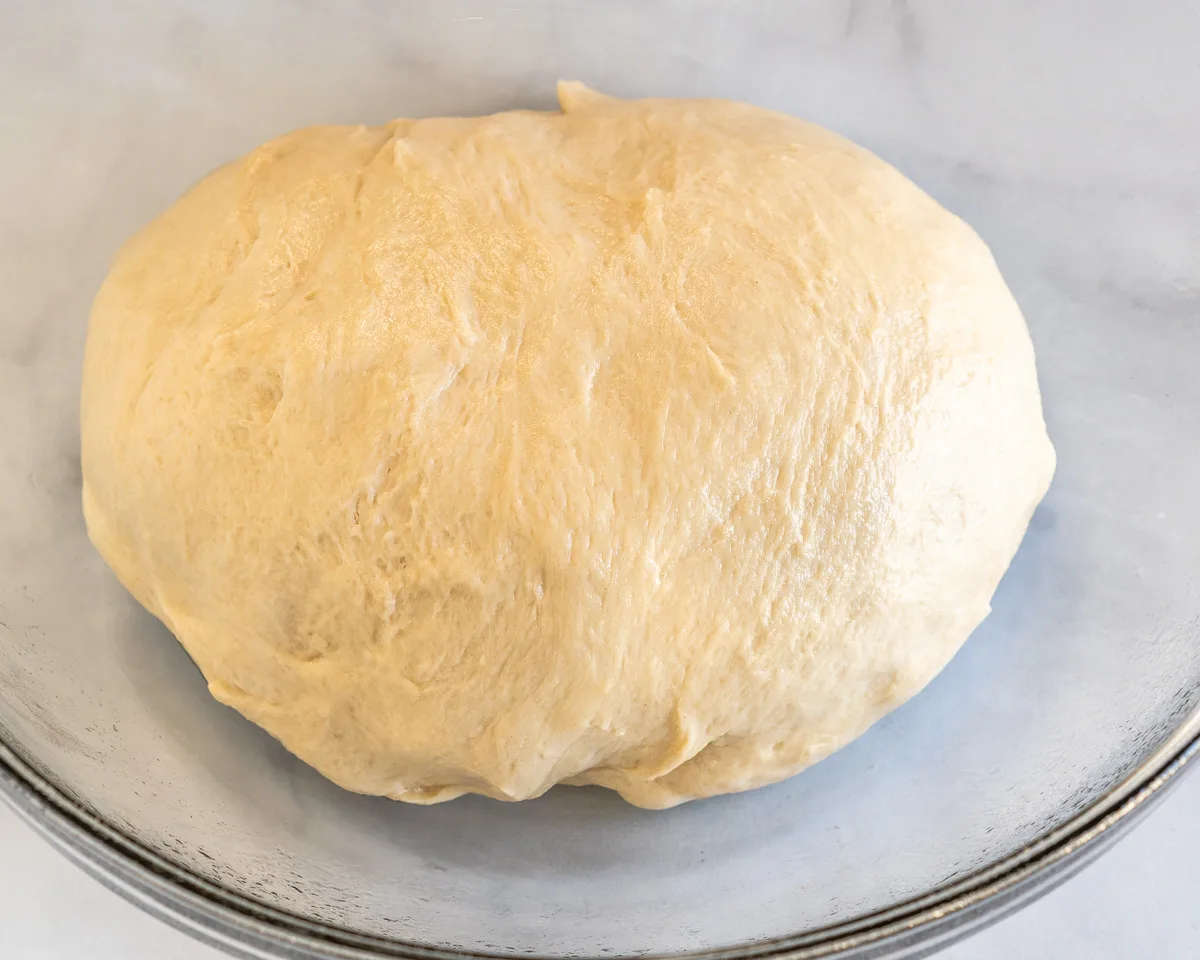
[660, 444]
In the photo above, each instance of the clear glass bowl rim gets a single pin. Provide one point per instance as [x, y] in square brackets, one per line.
[916, 927]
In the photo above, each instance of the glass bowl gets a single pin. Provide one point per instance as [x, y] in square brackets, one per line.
[1067, 133]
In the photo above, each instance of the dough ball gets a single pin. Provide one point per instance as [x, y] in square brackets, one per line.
[662, 444]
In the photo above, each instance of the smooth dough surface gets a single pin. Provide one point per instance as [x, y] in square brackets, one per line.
[662, 444]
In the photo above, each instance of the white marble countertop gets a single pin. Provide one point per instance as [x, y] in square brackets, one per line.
[1139, 900]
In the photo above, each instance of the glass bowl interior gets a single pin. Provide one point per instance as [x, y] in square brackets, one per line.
[1067, 133]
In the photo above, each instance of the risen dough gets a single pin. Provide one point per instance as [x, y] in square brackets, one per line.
[663, 445]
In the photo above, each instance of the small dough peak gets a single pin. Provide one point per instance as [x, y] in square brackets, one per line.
[572, 95]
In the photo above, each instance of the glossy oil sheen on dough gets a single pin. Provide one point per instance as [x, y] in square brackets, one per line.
[663, 444]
